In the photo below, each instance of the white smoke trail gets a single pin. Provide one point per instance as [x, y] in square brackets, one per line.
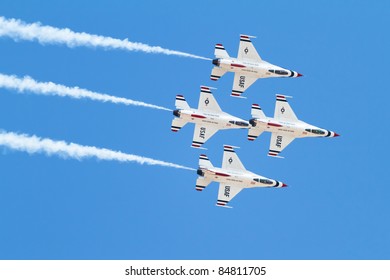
[34, 144]
[49, 88]
[19, 30]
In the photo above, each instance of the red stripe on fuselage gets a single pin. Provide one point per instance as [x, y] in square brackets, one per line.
[198, 116]
[237, 65]
[274, 124]
[222, 174]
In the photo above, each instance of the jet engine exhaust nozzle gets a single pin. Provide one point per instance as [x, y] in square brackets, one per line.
[200, 172]
[216, 62]
[176, 113]
[252, 122]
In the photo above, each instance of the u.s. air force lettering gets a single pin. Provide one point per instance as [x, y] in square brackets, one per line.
[227, 191]
[242, 81]
[202, 132]
[279, 141]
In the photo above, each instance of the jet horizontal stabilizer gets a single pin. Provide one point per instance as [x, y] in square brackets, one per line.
[205, 162]
[181, 102]
[256, 111]
[220, 51]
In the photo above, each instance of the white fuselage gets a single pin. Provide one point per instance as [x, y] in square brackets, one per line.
[296, 129]
[261, 69]
[218, 120]
[242, 179]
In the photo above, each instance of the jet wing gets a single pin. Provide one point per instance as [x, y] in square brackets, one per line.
[226, 193]
[230, 159]
[278, 143]
[241, 83]
[201, 134]
[283, 109]
[246, 50]
[207, 101]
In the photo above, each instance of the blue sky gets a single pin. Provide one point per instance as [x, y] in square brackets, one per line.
[337, 202]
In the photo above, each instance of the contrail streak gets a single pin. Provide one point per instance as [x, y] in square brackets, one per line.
[48, 88]
[34, 144]
[44, 34]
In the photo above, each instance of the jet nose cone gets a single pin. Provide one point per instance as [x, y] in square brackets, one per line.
[336, 134]
[299, 75]
[283, 185]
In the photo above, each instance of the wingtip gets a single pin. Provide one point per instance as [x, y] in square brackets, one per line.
[247, 36]
[207, 87]
[224, 206]
[237, 96]
[230, 146]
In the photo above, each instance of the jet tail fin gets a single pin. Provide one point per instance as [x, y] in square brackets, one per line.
[220, 51]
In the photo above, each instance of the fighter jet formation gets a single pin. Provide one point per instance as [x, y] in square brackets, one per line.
[209, 118]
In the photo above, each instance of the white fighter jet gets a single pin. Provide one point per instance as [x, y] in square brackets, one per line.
[285, 126]
[247, 67]
[232, 177]
[208, 118]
